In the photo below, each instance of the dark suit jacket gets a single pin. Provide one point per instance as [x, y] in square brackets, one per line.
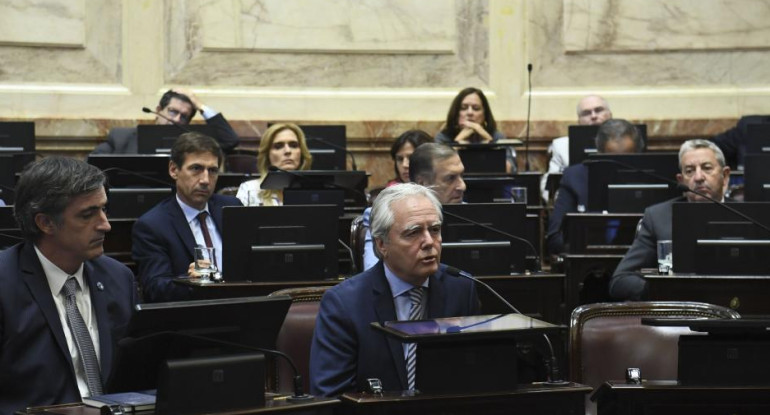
[346, 350]
[573, 191]
[123, 140]
[733, 141]
[35, 364]
[627, 282]
[163, 247]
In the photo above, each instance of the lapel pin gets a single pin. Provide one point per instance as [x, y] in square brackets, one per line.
[99, 286]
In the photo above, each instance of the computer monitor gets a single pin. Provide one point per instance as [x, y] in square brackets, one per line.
[158, 139]
[481, 251]
[496, 188]
[756, 176]
[758, 138]
[17, 136]
[279, 243]
[11, 166]
[134, 170]
[482, 158]
[623, 183]
[582, 141]
[158, 332]
[707, 239]
[353, 183]
[327, 145]
[128, 203]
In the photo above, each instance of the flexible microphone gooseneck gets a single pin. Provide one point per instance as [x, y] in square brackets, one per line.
[335, 146]
[529, 108]
[178, 125]
[299, 394]
[552, 363]
[499, 232]
[681, 187]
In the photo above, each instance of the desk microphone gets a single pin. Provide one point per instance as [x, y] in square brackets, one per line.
[499, 232]
[335, 146]
[681, 187]
[178, 125]
[551, 364]
[299, 394]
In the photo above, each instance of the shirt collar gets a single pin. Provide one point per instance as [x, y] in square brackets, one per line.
[397, 285]
[190, 213]
[56, 276]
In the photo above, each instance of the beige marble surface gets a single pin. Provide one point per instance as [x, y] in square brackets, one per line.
[58, 23]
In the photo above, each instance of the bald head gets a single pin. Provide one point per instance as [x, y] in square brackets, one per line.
[593, 110]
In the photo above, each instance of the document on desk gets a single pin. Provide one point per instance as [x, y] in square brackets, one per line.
[127, 401]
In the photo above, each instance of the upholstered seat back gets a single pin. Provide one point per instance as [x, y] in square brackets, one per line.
[357, 239]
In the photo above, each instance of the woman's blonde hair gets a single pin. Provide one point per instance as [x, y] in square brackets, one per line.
[263, 158]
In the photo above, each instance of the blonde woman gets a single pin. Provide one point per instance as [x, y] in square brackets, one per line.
[282, 146]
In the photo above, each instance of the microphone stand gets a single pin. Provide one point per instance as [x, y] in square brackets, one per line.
[178, 125]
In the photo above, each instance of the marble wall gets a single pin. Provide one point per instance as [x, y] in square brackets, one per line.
[686, 67]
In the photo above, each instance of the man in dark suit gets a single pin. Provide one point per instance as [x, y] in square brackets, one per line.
[63, 305]
[733, 141]
[179, 105]
[703, 169]
[614, 136]
[406, 226]
[164, 238]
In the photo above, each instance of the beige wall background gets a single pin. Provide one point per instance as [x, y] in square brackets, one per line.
[685, 67]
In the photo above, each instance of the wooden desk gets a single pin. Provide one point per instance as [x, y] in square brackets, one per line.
[320, 406]
[530, 399]
[537, 295]
[746, 294]
[668, 398]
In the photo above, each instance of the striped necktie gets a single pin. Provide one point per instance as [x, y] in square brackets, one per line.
[416, 312]
[83, 339]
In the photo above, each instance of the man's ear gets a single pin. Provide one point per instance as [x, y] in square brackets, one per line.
[173, 170]
[45, 223]
[679, 177]
[381, 247]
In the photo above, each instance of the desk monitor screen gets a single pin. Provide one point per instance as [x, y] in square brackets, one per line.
[496, 188]
[603, 171]
[481, 251]
[17, 136]
[158, 139]
[327, 145]
[756, 176]
[758, 137]
[582, 141]
[710, 240]
[157, 332]
[133, 203]
[11, 166]
[352, 182]
[280, 243]
[134, 170]
[482, 158]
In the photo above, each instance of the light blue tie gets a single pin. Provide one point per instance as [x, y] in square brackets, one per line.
[82, 339]
[416, 312]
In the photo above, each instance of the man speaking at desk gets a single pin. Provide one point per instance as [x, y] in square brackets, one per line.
[408, 283]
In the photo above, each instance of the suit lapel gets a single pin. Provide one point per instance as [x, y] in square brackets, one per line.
[34, 276]
[181, 227]
[386, 311]
[99, 300]
[436, 296]
[215, 210]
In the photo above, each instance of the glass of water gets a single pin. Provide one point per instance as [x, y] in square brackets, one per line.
[204, 262]
[665, 257]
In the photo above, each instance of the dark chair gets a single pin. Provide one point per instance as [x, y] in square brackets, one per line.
[296, 335]
[241, 163]
[357, 236]
[607, 338]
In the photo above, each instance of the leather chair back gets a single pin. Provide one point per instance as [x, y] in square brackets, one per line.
[241, 163]
[357, 236]
[296, 335]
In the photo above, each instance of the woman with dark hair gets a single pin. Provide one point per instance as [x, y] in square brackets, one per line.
[282, 146]
[400, 151]
[470, 120]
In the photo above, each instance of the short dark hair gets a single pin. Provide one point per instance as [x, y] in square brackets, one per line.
[452, 118]
[166, 99]
[422, 160]
[195, 142]
[414, 137]
[47, 186]
[616, 129]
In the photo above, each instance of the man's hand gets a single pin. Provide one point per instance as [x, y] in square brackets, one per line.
[194, 99]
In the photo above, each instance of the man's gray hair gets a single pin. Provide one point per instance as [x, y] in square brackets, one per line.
[422, 160]
[604, 103]
[383, 216]
[697, 143]
[616, 129]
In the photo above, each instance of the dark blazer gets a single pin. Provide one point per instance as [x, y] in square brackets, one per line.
[733, 141]
[35, 364]
[163, 247]
[123, 140]
[346, 350]
[573, 191]
[627, 282]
